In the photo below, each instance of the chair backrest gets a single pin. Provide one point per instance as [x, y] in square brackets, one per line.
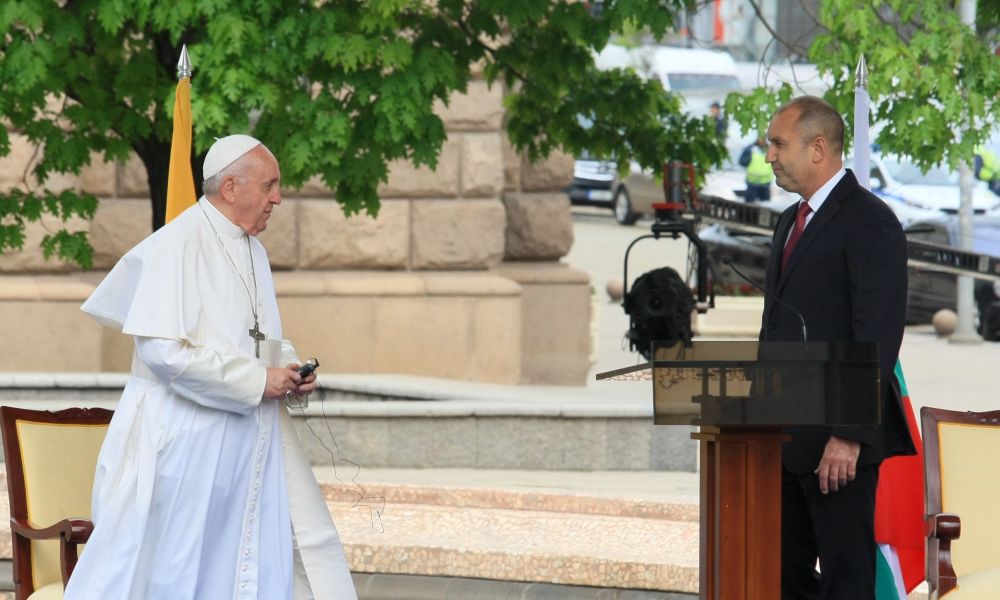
[960, 450]
[51, 458]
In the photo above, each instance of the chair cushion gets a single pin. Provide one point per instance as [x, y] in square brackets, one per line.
[53, 591]
[981, 585]
[969, 491]
[58, 463]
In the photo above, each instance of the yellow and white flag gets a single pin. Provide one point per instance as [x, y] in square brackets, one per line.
[180, 180]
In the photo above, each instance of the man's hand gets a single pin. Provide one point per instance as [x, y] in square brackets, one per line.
[281, 380]
[838, 465]
[307, 384]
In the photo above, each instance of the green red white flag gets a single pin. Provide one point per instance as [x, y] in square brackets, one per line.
[899, 515]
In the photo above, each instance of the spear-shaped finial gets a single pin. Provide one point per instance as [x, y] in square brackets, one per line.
[184, 64]
[861, 74]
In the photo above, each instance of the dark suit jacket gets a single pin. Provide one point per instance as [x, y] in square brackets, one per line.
[847, 276]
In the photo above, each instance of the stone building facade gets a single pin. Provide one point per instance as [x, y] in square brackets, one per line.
[459, 276]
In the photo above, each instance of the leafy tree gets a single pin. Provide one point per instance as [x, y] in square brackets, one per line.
[933, 81]
[337, 88]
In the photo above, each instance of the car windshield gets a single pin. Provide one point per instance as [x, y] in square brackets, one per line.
[986, 238]
[696, 82]
[906, 173]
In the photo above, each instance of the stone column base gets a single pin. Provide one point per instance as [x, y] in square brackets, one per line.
[555, 336]
[458, 325]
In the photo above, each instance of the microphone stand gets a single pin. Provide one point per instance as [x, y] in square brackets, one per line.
[728, 261]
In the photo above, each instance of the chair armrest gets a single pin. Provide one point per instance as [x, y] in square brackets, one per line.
[69, 532]
[76, 531]
[942, 528]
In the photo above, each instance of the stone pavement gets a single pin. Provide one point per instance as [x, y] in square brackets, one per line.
[622, 530]
[541, 534]
[471, 533]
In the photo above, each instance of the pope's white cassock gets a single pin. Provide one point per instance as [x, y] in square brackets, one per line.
[202, 490]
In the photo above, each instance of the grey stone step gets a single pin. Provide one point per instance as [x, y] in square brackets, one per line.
[416, 422]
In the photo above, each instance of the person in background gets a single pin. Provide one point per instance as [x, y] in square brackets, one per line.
[759, 173]
[987, 168]
[721, 123]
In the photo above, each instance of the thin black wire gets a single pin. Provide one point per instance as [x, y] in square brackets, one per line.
[375, 504]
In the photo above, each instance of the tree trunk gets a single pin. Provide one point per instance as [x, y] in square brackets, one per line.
[197, 161]
[155, 156]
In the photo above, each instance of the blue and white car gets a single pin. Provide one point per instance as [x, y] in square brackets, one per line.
[917, 195]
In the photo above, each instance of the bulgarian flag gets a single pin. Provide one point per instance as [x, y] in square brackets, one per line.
[899, 515]
[899, 499]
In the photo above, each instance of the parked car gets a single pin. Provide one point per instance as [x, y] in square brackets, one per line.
[902, 184]
[596, 183]
[929, 291]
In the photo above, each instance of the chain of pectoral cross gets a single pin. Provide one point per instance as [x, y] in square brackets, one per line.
[255, 333]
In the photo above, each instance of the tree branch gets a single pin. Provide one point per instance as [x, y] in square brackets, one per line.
[461, 24]
[893, 26]
[806, 9]
[771, 30]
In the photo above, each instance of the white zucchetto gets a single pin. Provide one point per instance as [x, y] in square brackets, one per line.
[225, 151]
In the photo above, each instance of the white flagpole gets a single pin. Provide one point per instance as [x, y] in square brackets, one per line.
[862, 151]
[862, 145]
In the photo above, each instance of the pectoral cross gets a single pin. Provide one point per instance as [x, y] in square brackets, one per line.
[257, 337]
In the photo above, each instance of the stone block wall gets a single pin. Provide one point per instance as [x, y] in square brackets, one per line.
[371, 286]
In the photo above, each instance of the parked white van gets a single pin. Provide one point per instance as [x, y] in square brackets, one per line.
[699, 76]
[690, 72]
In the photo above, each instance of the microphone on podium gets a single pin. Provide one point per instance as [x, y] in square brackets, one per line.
[728, 261]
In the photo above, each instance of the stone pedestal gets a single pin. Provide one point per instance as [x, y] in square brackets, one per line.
[438, 324]
[555, 318]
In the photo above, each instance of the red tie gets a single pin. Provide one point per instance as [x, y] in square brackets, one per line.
[800, 225]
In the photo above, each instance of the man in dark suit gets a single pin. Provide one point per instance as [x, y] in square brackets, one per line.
[839, 257]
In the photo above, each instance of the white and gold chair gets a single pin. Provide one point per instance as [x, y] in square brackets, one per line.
[51, 458]
[963, 503]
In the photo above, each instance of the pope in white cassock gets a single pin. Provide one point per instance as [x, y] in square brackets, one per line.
[202, 490]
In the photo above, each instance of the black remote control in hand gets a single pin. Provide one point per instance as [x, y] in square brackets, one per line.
[309, 367]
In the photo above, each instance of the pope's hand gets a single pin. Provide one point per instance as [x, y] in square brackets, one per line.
[281, 380]
[838, 465]
[307, 384]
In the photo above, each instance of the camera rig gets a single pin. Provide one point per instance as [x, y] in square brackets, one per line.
[684, 209]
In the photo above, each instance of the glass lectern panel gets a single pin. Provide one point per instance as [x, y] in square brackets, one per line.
[762, 383]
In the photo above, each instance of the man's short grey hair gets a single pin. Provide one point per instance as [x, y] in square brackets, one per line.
[817, 118]
[238, 169]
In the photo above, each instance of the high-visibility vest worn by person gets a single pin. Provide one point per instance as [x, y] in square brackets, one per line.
[991, 165]
[758, 171]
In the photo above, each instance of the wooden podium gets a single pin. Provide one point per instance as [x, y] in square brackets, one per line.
[741, 395]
